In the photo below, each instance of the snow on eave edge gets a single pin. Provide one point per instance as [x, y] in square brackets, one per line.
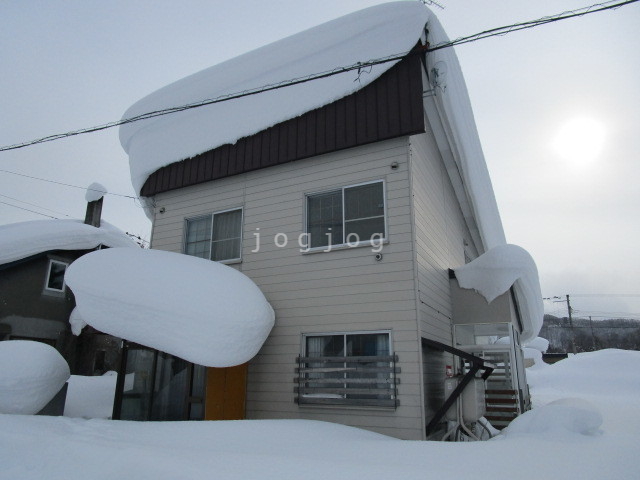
[344, 41]
[23, 240]
[455, 114]
[498, 270]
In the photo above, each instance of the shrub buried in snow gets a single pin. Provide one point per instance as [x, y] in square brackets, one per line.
[31, 373]
[199, 310]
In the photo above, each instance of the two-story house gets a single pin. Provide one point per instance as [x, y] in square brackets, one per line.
[35, 302]
[341, 170]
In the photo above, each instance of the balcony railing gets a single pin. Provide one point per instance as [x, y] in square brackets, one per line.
[367, 381]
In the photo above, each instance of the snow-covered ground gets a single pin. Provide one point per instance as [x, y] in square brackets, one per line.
[543, 444]
[609, 379]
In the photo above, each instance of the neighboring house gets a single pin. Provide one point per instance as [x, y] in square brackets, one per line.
[35, 303]
[347, 200]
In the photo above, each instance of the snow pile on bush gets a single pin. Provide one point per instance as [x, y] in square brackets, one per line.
[199, 310]
[572, 415]
[31, 373]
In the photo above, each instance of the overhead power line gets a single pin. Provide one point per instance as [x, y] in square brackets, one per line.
[28, 210]
[34, 205]
[605, 294]
[499, 31]
[67, 184]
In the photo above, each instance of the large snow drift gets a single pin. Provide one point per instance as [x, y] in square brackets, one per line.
[494, 272]
[76, 449]
[72, 448]
[31, 373]
[376, 32]
[199, 310]
[21, 240]
[567, 415]
[618, 380]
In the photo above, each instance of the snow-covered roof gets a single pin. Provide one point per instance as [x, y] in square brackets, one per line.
[376, 32]
[202, 311]
[496, 271]
[24, 239]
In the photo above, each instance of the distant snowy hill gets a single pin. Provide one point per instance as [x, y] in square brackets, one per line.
[590, 335]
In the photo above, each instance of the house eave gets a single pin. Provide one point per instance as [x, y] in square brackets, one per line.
[379, 111]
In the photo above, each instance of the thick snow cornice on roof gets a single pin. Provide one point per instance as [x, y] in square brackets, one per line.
[24, 239]
[376, 32]
[496, 271]
[455, 115]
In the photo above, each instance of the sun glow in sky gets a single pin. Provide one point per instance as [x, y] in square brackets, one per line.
[580, 140]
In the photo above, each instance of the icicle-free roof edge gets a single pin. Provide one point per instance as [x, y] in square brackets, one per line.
[376, 32]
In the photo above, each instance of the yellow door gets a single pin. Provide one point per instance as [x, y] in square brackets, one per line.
[226, 393]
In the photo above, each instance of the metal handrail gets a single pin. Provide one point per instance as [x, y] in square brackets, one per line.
[477, 364]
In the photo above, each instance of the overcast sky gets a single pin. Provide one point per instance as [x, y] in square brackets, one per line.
[572, 200]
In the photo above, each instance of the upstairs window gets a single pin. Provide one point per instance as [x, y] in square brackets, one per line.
[215, 237]
[352, 215]
[55, 276]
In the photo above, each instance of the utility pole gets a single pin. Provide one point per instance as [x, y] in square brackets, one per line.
[593, 335]
[573, 335]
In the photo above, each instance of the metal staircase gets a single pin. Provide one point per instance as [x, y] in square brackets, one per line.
[503, 401]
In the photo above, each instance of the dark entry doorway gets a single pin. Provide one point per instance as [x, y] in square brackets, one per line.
[154, 385]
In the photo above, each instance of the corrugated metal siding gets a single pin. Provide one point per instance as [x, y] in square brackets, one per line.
[387, 108]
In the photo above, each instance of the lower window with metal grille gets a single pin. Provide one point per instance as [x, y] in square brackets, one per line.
[357, 369]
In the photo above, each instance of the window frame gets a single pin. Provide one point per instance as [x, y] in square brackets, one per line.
[347, 399]
[212, 217]
[345, 243]
[345, 334]
[48, 277]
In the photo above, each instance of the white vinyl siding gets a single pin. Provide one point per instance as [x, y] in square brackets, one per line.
[345, 290]
[440, 234]
[341, 290]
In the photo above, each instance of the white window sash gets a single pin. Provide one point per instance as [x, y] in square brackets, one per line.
[362, 242]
